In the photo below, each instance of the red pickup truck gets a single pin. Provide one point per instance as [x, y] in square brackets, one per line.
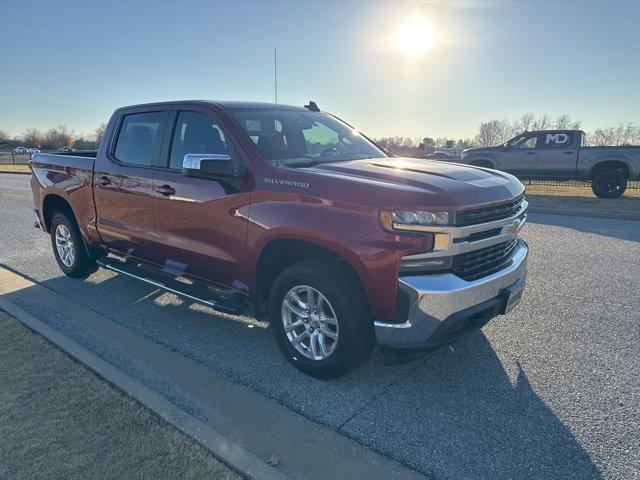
[289, 213]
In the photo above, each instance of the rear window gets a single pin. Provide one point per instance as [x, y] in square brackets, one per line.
[140, 138]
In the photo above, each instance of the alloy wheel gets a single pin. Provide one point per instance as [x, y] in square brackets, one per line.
[65, 246]
[310, 322]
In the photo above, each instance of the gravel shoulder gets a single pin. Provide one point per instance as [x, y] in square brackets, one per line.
[59, 420]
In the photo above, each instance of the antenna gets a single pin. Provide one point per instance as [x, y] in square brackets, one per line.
[275, 74]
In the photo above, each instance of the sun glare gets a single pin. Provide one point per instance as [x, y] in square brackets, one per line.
[415, 36]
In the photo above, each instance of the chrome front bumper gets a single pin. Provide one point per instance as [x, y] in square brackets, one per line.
[443, 307]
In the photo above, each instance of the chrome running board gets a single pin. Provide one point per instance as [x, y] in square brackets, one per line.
[226, 305]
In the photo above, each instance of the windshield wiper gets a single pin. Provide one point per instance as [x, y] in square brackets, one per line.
[300, 163]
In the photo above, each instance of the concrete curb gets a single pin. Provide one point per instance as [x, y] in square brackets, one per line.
[16, 173]
[225, 450]
[578, 213]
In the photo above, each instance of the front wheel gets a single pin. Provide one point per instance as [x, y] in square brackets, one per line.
[320, 319]
[68, 247]
[609, 184]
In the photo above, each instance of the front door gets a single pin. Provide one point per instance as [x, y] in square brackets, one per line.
[201, 224]
[557, 155]
[123, 181]
[519, 156]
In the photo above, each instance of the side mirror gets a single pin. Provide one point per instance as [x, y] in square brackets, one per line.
[212, 166]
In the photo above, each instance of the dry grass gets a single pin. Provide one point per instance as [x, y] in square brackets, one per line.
[59, 420]
[571, 191]
[8, 168]
[582, 200]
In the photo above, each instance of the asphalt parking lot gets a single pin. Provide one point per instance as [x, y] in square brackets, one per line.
[549, 391]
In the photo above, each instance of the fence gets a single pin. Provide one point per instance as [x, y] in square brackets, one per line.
[10, 157]
[574, 183]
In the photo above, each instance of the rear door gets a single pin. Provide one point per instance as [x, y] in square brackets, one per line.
[557, 155]
[519, 156]
[123, 181]
[201, 223]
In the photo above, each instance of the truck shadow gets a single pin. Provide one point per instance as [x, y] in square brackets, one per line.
[479, 417]
[458, 413]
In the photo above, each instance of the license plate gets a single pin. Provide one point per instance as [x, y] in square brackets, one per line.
[513, 295]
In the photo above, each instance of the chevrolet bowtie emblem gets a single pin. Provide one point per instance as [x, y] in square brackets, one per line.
[515, 225]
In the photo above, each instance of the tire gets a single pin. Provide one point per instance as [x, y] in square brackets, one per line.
[609, 184]
[68, 247]
[342, 296]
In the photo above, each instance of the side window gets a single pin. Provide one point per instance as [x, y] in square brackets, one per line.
[524, 141]
[196, 132]
[557, 140]
[140, 138]
[529, 142]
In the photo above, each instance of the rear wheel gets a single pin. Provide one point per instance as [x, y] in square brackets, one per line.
[609, 184]
[320, 318]
[68, 247]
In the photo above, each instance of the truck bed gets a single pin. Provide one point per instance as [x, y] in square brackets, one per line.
[70, 178]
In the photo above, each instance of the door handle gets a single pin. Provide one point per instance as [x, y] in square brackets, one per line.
[104, 181]
[165, 190]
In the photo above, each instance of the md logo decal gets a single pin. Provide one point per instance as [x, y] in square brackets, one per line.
[557, 138]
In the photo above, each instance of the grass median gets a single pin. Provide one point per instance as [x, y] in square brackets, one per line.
[59, 420]
[9, 168]
[574, 200]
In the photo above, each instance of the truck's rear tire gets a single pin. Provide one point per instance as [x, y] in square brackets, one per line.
[68, 247]
[320, 318]
[609, 184]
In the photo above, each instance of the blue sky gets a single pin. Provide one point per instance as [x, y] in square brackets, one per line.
[73, 62]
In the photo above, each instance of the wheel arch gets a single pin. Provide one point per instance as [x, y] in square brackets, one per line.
[606, 163]
[279, 253]
[53, 203]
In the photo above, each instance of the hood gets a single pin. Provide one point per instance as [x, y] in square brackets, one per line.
[409, 182]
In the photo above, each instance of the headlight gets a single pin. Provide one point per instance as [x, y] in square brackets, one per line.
[412, 220]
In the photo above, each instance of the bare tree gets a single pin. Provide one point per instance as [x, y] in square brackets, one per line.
[4, 135]
[494, 132]
[622, 134]
[57, 137]
[525, 122]
[98, 133]
[542, 122]
[565, 122]
[394, 142]
[466, 143]
[85, 143]
[428, 142]
[32, 137]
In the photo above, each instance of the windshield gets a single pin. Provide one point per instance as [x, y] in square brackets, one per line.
[301, 138]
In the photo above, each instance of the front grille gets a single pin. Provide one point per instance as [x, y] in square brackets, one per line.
[488, 214]
[480, 263]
